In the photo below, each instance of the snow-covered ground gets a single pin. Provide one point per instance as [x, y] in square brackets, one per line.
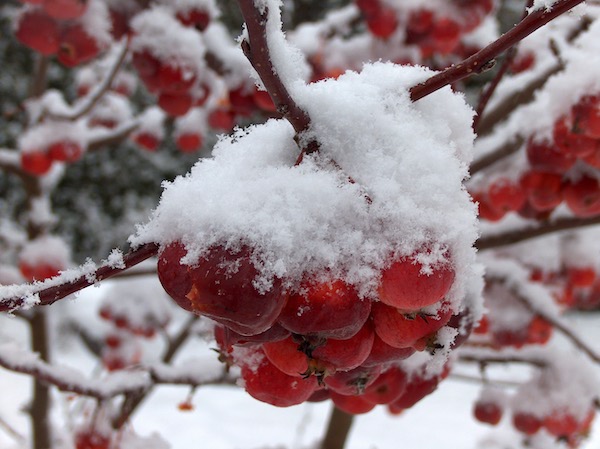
[225, 417]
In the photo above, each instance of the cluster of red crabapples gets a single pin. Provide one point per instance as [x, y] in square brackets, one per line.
[559, 422]
[323, 340]
[53, 27]
[424, 27]
[550, 180]
[38, 161]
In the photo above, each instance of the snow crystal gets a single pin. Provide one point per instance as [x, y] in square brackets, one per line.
[394, 189]
[115, 259]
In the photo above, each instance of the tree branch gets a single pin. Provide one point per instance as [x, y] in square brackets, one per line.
[510, 147]
[112, 385]
[51, 290]
[96, 95]
[338, 429]
[480, 60]
[133, 400]
[545, 228]
[256, 49]
[553, 320]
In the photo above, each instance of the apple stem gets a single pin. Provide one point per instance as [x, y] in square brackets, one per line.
[338, 429]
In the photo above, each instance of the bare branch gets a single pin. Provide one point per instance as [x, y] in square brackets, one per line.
[510, 147]
[545, 228]
[113, 136]
[96, 95]
[38, 82]
[480, 60]
[258, 53]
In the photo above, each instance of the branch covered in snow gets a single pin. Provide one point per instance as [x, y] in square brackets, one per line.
[44, 293]
[113, 384]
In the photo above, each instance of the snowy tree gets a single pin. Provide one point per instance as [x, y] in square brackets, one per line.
[343, 203]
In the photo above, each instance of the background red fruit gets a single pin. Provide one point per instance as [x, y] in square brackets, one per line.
[76, 46]
[147, 141]
[487, 412]
[65, 9]
[176, 104]
[189, 142]
[36, 162]
[38, 31]
[65, 151]
[526, 423]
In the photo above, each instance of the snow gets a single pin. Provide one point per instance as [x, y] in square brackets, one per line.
[409, 163]
[158, 32]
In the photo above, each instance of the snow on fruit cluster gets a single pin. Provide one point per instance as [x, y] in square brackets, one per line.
[325, 275]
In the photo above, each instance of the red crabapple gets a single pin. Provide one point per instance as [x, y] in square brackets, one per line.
[175, 104]
[583, 196]
[586, 116]
[189, 142]
[487, 412]
[147, 141]
[65, 9]
[388, 387]
[76, 46]
[405, 330]
[38, 31]
[65, 151]
[354, 405]
[36, 163]
[265, 382]
[406, 285]
[224, 289]
[326, 309]
[354, 381]
[91, 439]
[526, 423]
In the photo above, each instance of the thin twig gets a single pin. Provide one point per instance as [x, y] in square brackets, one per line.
[12, 432]
[96, 95]
[491, 87]
[480, 60]
[481, 380]
[510, 147]
[554, 321]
